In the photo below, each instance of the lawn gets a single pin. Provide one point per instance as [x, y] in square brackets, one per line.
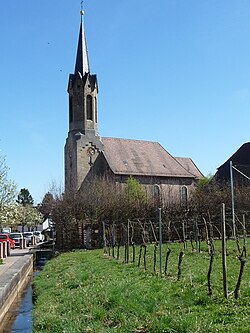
[87, 291]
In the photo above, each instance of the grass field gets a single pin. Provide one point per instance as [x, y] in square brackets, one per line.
[85, 291]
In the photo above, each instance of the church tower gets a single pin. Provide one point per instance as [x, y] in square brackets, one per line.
[83, 144]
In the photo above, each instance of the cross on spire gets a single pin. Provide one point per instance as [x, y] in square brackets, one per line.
[81, 11]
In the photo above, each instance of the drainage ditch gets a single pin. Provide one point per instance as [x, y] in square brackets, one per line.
[19, 318]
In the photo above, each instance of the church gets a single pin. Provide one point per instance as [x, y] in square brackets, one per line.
[88, 155]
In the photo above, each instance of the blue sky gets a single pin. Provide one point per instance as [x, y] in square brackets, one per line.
[172, 71]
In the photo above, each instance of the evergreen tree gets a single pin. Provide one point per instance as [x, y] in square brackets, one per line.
[135, 190]
[47, 204]
[24, 197]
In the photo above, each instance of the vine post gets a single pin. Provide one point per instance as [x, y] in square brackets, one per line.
[160, 238]
[184, 235]
[128, 242]
[104, 238]
[232, 198]
[224, 249]
[245, 234]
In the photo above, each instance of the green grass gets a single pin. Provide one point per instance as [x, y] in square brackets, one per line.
[85, 291]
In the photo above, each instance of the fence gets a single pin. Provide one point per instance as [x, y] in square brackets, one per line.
[184, 228]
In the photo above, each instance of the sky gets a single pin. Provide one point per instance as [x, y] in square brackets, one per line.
[172, 71]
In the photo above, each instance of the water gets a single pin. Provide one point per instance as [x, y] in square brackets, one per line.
[24, 319]
[23, 322]
[20, 318]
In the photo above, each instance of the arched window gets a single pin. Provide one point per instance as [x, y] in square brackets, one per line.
[157, 195]
[184, 196]
[157, 191]
[89, 108]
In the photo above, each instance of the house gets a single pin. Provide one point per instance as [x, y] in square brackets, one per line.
[241, 167]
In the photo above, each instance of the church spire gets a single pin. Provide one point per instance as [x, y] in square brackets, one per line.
[82, 59]
[83, 143]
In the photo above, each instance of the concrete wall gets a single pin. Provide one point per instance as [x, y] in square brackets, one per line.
[13, 279]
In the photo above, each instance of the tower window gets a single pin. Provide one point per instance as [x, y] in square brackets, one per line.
[70, 110]
[95, 109]
[89, 108]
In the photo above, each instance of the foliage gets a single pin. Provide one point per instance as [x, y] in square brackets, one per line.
[14, 213]
[84, 291]
[101, 199]
[29, 216]
[207, 198]
[9, 215]
[7, 196]
[205, 182]
[98, 200]
[47, 205]
[7, 187]
[25, 198]
[134, 190]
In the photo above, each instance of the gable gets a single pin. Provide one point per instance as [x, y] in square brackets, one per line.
[241, 160]
[190, 166]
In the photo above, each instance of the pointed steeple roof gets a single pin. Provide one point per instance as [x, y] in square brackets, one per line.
[82, 59]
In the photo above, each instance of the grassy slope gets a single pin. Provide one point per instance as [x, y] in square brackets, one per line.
[85, 291]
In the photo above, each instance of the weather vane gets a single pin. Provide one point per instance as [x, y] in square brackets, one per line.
[82, 11]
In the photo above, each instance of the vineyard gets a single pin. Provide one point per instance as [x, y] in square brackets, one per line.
[173, 273]
[149, 244]
[104, 218]
[175, 269]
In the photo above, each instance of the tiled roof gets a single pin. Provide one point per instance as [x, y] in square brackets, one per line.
[190, 166]
[146, 158]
